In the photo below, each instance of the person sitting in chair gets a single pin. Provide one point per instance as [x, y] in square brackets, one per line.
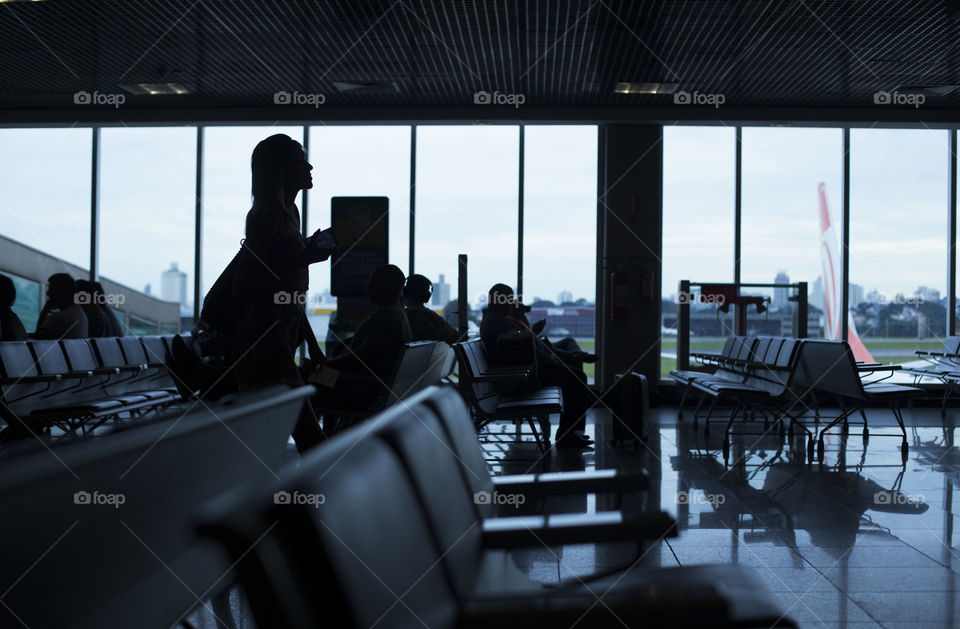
[510, 340]
[357, 376]
[61, 317]
[425, 324]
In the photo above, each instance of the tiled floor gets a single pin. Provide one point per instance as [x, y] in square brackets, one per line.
[861, 541]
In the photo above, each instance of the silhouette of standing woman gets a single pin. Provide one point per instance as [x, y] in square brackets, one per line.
[271, 278]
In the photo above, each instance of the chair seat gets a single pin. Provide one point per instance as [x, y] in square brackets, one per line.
[882, 389]
[546, 400]
[97, 406]
[738, 388]
[686, 376]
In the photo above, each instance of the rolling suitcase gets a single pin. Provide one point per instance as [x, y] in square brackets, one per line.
[630, 403]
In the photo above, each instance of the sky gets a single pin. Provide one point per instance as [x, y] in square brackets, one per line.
[467, 196]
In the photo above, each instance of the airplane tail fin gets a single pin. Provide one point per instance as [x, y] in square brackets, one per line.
[830, 258]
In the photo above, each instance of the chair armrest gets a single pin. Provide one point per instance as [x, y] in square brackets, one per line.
[504, 374]
[576, 528]
[53, 377]
[705, 356]
[106, 371]
[877, 367]
[561, 483]
[78, 375]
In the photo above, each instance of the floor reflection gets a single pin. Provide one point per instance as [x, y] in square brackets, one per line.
[862, 540]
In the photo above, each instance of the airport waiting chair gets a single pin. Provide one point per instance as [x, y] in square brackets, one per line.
[829, 368]
[324, 556]
[505, 393]
[411, 373]
[103, 528]
[943, 366]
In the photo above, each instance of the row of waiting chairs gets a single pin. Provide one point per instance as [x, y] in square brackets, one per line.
[392, 524]
[789, 379]
[77, 384]
[100, 533]
[943, 365]
[505, 393]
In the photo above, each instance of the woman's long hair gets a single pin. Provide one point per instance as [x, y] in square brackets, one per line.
[268, 165]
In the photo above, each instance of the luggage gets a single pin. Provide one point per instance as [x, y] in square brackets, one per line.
[629, 399]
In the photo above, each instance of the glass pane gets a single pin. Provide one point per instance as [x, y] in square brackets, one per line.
[45, 192]
[226, 193]
[467, 186]
[147, 212]
[361, 161]
[698, 229]
[784, 242]
[898, 248]
[560, 215]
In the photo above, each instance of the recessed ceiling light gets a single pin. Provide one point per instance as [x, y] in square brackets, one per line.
[154, 89]
[367, 87]
[626, 87]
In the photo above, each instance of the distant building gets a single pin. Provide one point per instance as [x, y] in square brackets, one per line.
[565, 297]
[875, 297]
[441, 292]
[856, 295]
[928, 294]
[146, 290]
[815, 297]
[781, 295]
[173, 285]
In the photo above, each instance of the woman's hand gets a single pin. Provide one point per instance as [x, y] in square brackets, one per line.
[318, 248]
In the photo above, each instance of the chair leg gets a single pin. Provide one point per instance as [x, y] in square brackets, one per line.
[683, 398]
[904, 446]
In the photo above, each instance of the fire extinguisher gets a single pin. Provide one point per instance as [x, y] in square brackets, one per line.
[619, 295]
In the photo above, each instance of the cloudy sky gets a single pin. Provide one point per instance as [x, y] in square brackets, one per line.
[467, 189]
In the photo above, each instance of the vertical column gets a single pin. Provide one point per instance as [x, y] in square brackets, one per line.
[683, 327]
[737, 207]
[463, 304]
[520, 219]
[198, 227]
[413, 193]
[845, 240]
[629, 210]
[305, 199]
[95, 204]
[952, 238]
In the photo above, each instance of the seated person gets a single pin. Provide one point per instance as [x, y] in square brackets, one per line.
[89, 300]
[510, 340]
[113, 327]
[61, 317]
[362, 367]
[11, 328]
[425, 324]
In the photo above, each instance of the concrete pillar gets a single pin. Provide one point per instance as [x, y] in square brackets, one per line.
[630, 241]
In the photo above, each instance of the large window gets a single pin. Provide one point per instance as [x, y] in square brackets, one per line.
[361, 162]
[226, 193]
[699, 167]
[45, 191]
[147, 210]
[560, 228]
[786, 238]
[367, 161]
[467, 187]
[898, 199]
